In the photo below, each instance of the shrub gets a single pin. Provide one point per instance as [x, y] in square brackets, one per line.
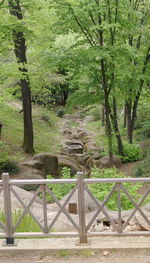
[132, 152]
[143, 169]
[101, 190]
[7, 166]
[60, 113]
[146, 129]
[58, 189]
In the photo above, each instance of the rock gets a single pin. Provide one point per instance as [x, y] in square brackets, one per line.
[97, 156]
[104, 162]
[90, 205]
[63, 223]
[72, 146]
[97, 228]
[26, 197]
[141, 221]
[65, 161]
[33, 164]
[147, 207]
[50, 163]
[105, 253]
[29, 173]
[134, 227]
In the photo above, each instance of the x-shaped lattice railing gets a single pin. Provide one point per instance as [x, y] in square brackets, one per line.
[81, 185]
[26, 208]
[101, 207]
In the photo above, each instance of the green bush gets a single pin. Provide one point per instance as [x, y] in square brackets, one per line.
[146, 129]
[132, 152]
[143, 169]
[7, 166]
[60, 113]
[101, 190]
[60, 190]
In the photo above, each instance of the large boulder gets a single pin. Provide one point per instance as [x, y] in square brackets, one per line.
[25, 196]
[104, 162]
[90, 205]
[30, 173]
[34, 164]
[50, 163]
[72, 147]
[141, 220]
[70, 162]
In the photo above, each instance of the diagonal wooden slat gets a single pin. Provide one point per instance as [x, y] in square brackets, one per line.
[62, 209]
[43, 187]
[26, 208]
[1, 189]
[137, 206]
[101, 207]
[64, 205]
[3, 226]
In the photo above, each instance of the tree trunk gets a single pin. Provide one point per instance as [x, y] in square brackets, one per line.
[103, 115]
[20, 53]
[129, 121]
[125, 117]
[116, 128]
[108, 129]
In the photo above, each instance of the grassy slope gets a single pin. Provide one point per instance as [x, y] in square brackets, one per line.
[45, 133]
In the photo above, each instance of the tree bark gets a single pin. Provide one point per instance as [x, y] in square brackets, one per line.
[125, 118]
[108, 129]
[129, 121]
[103, 115]
[116, 128]
[20, 53]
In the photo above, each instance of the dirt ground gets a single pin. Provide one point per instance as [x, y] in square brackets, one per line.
[142, 256]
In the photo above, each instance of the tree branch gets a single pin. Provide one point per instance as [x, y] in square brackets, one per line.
[2, 2]
[84, 30]
[92, 18]
[147, 58]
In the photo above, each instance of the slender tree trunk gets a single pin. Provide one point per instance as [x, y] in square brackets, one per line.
[103, 115]
[20, 53]
[108, 129]
[129, 121]
[116, 128]
[125, 117]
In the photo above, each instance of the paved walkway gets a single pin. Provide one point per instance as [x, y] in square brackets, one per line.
[53, 245]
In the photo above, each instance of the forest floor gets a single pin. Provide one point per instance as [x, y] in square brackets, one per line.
[119, 256]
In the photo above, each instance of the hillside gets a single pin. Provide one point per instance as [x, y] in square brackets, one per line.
[45, 124]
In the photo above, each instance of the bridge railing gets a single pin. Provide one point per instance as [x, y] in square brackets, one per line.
[82, 228]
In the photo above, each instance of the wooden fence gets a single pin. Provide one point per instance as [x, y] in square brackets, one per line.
[8, 230]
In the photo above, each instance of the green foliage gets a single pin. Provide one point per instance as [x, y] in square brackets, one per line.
[60, 190]
[145, 131]
[94, 110]
[143, 168]
[100, 191]
[27, 224]
[132, 152]
[7, 166]
[60, 113]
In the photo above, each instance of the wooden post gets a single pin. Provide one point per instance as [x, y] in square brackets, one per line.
[81, 208]
[8, 211]
[119, 208]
